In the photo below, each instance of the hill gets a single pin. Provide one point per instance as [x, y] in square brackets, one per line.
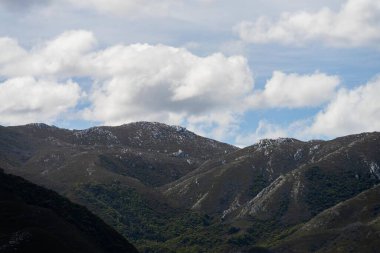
[33, 219]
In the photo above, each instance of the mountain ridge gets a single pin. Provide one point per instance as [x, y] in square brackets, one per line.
[181, 192]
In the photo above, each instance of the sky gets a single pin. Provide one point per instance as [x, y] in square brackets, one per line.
[236, 71]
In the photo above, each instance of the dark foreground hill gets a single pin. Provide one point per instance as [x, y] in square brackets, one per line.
[33, 219]
[168, 190]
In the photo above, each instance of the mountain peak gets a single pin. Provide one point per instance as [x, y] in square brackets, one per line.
[40, 125]
[155, 126]
[275, 142]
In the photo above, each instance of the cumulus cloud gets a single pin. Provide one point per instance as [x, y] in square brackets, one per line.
[356, 24]
[10, 50]
[140, 81]
[59, 57]
[351, 111]
[208, 94]
[295, 91]
[31, 91]
[26, 99]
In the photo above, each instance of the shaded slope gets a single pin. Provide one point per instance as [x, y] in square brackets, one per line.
[350, 226]
[34, 219]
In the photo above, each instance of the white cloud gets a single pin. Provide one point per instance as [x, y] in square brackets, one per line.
[141, 81]
[356, 24]
[352, 111]
[10, 50]
[162, 83]
[25, 100]
[59, 57]
[135, 82]
[295, 91]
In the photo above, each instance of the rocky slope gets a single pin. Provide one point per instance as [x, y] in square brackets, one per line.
[281, 174]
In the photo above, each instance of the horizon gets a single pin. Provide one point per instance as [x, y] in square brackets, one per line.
[149, 122]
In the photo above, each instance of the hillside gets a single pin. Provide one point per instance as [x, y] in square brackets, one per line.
[113, 170]
[251, 180]
[33, 219]
[351, 226]
[167, 189]
[152, 153]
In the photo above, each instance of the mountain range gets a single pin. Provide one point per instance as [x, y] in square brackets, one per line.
[167, 189]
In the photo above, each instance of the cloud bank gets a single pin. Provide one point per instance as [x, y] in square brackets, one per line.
[351, 111]
[134, 82]
[356, 24]
[208, 94]
[161, 83]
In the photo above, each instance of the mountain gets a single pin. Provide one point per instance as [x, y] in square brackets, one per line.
[267, 190]
[114, 171]
[33, 219]
[167, 189]
[305, 177]
[227, 181]
[151, 153]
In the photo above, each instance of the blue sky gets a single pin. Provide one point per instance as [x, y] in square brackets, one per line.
[236, 71]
